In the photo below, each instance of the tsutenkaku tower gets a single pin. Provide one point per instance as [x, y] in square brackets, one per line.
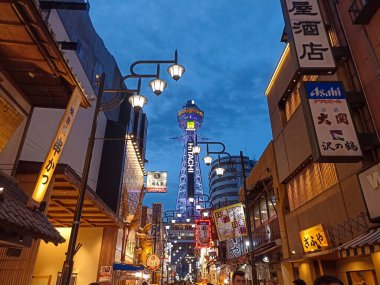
[190, 119]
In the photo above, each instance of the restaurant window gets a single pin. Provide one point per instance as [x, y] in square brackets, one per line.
[311, 181]
[256, 215]
[263, 209]
[271, 203]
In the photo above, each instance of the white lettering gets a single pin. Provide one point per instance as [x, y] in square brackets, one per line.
[190, 158]
[374, 180]
[326, 93]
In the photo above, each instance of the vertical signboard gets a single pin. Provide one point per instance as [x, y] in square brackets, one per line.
[332, 133]
[57, 146]
[190, 168]
[236, 248]
[156, 182]
[309, 41]
[370, 184]
[202, 233]
[230, 222]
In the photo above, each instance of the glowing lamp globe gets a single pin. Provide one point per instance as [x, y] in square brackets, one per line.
[157, 85]
[176, 71]
[207, 160]
[219, 171]
[137, 101]
[197, 149]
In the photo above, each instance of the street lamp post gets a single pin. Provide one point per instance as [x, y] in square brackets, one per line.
[176, 72]
[220, 171]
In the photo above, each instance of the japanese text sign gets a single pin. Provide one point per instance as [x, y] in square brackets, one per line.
[314, 239]
[332, 133]
[202, 233]
[230, 222]
[56, 147]
[309, 40]
[370, 184]
[153, 262]
[156, 182]
[236, 248]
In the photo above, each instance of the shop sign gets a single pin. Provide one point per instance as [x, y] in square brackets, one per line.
[190, 164]
[236, 248]
[314, 239]
[202, 233]
[230, 222]
[306, 31]
[10, 120]
[57, 146]
[370, 184]
[329, 124]
[105, 274]
[156, 182]
[153, 262]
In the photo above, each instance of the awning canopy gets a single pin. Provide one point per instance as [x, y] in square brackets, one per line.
[63, 200]
[362, 245]
[127, 267]
[32, 59]
[16, 219]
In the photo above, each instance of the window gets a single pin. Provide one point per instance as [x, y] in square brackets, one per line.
[263, 209]
[311, 181]
[256, 215]
[294, 99]
[271, 203]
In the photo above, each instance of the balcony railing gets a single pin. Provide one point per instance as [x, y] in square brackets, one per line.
[362, 11]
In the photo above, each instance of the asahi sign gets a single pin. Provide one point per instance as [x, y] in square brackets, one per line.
[370, 183]
[308, 36]
[190, 168]
[332, 133]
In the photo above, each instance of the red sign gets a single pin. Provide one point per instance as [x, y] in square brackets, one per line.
[202, 233]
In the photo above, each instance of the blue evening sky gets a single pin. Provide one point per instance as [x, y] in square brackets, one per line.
[229, 49]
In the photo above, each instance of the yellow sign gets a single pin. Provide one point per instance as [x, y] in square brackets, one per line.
[10, 119]
[190, 125]
[56, 147]
[314, 239]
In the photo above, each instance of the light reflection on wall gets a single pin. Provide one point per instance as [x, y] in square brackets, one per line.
[133, 182]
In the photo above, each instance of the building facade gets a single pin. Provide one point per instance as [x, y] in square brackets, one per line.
[327, 221]
[224, 190]
[112, 198]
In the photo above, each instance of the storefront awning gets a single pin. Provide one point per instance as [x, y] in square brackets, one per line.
[17, 220]
[32, 59]
[127, 267]
[362, 245]
[64, 195]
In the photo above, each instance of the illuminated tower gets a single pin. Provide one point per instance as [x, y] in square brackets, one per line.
[190, 119]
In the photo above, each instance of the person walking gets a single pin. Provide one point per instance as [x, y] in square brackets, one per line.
[238, 278]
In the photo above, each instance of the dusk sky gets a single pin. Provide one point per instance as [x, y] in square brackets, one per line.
[229, 49]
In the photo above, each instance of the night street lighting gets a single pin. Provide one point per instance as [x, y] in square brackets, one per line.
[197, 149]
[158, 86]
[188, 220]
[173, 221]
[198, 207]
[191, 200]
[176, 71]
[167, 227]
[207, 159]
[219, 171]
[137, 101]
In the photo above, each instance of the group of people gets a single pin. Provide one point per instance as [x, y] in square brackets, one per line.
[238, 278]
